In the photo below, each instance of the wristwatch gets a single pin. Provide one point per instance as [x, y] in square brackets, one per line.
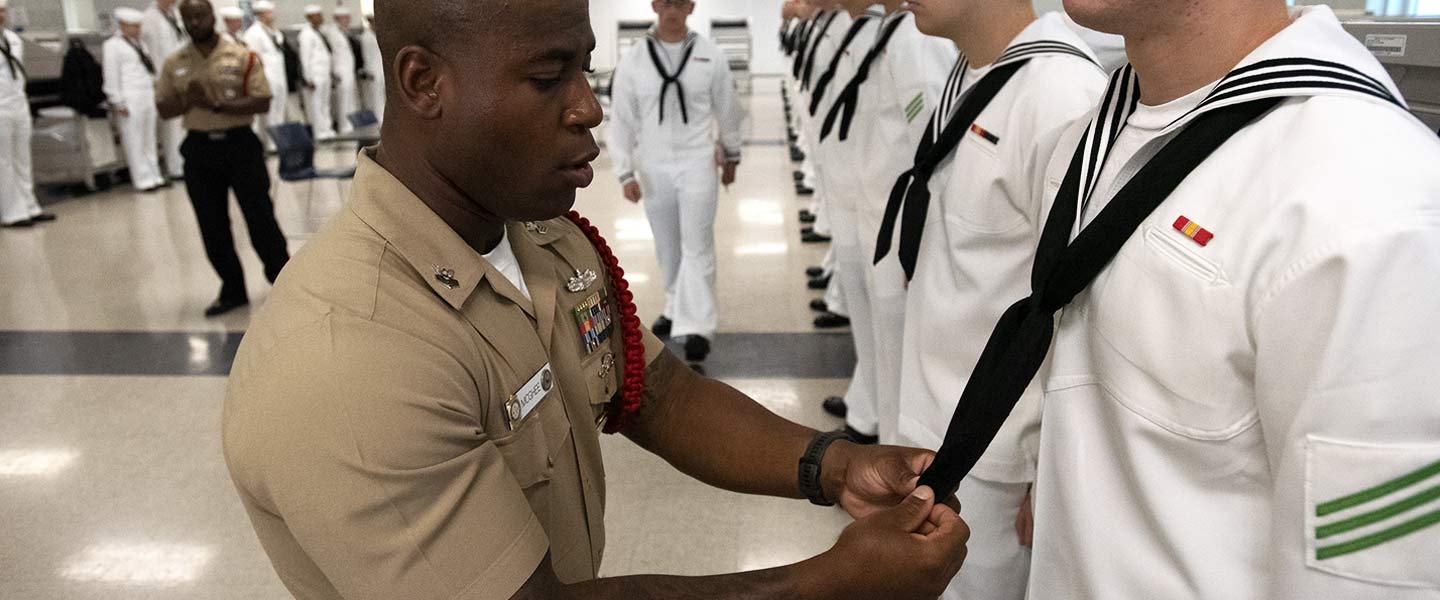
[810, 466]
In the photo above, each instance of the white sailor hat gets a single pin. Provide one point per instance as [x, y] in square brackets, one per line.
[231, 12]
[314, 9]
[264, 6]
[342, 12]
[128, 16]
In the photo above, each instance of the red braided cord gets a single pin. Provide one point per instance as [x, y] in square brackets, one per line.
[633, 386]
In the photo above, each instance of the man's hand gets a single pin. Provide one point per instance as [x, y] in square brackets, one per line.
[123, 112]
[866, 479]
[632, 191]
[195, 96]
[727, 174]
[911, 550]
[1025, 521]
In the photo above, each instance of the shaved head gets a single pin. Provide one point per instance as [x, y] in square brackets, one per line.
[492, 97]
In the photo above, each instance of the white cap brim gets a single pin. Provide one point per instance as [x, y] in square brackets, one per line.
[232, 12]
[264, 6]
[342, 12]
[129, 16]
[314, 9]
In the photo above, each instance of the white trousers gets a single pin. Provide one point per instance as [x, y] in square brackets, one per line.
[17, 187]
[344, 101]
[279, 101]
[172, 134]
[139, 133]
[996, 565]
[317, 110]
[861, 399]
[680, 201]
[885, 284]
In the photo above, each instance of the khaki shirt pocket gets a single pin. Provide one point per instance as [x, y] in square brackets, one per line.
[532, 449]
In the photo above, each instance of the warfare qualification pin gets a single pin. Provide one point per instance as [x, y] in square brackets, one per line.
[581, 281]
[534, 227]
[446, 277]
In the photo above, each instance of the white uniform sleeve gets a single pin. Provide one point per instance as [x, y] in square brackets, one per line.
[112, 74]
[624, 130]
[919, 67]
[729, 113]
[1346, 378]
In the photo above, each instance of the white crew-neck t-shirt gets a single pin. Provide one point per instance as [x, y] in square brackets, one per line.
[503, 259]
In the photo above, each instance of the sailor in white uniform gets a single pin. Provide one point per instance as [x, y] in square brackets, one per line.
[129, 74]
[373, 84]
[317, 61]
[161, 34]
[839, 165]
[268, 43]
[18, 207]
[1021, 83]
[1245, 249]
[888, 108]
[342, 63]
[233, 19]
[671, 92]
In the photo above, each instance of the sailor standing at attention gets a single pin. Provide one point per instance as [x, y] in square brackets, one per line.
[884, 106]
[671, 92]
[1020, 83]
[266, 42]
[161, 35]
[342, 63]
[18, 206]
[317, 58]
[130, 89]
[1241, 400]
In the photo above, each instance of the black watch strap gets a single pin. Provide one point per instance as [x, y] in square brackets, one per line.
[810, 466]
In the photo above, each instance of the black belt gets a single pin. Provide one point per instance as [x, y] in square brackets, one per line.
[219, 135]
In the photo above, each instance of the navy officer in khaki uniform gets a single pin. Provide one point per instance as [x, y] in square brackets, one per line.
[416, 412]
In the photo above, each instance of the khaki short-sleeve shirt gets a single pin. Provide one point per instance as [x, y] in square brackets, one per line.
[371, 424]
[231, 72]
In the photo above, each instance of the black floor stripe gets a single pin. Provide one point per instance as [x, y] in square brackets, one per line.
[161, 353]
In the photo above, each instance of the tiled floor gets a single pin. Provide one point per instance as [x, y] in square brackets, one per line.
[111, 480]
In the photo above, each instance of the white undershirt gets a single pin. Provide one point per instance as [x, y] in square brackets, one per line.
[1133, 149]
[675, 52]
[503, 259]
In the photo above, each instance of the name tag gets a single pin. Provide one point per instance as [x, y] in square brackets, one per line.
[522, 403]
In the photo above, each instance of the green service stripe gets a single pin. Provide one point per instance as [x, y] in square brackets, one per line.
[916, 104]
[1383, 489]
[1376, 516]
[1375, 539]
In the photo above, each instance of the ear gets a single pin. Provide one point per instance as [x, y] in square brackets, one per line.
[420, 76]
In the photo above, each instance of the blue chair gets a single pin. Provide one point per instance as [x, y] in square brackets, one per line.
[296, 149]
[363, 119]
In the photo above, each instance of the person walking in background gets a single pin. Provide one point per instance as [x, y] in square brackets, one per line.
[342, 64]
[211, 83]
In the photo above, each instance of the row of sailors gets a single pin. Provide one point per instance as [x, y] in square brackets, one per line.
[332, 60]
[1235, 356]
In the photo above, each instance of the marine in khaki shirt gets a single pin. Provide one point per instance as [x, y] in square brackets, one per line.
[405, 421]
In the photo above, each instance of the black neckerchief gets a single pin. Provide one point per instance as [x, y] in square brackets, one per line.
[670, 79]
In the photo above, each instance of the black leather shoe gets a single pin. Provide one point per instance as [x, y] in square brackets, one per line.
[860, 438]
[803, 190]
[223, 306]
[814, 272]
[798, 175]
[43, 217]
[818, 283]
[661, 327]
[835, 407]
[831, 320]
[19, 224]
[696, 348]
[797, 155]
[807, 218]
[819, 305]
[806, 230]
[813, 238]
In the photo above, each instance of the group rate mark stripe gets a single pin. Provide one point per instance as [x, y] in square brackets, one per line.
[1378, 491]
